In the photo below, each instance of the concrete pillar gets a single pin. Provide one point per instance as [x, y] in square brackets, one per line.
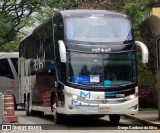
[158, 91]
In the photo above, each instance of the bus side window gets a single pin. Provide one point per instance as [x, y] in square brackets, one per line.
[15, 63]
[48, 48]
[58, 30]
[5, 70]
[59, 35]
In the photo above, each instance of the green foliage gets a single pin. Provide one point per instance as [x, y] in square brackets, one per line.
[148, 98]
[15, 14]
[11, 46]
[145, 78]
[64, 4]
[6, 32]
[136, 11]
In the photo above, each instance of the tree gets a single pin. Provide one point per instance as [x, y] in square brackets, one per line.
[101, 4]
[16, 14]
[20, 10]
[6, 32]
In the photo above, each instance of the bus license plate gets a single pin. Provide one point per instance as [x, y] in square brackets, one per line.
[104, 109]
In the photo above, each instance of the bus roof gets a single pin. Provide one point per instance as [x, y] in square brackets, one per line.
[30, 33]
[9, 55]
[82, 12]
[76, 13]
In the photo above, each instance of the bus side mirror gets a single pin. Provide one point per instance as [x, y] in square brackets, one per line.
[145, 53]
[62, 51]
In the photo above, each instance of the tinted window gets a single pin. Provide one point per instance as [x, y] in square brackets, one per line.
[98, 29]
[48, 48]
[15, 63]
[5, 69]
[103, 69]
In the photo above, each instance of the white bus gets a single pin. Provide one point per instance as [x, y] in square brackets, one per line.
[9, 74]
[81, 62]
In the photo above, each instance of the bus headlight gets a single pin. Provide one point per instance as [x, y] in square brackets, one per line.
[74, 97]
[132, 97]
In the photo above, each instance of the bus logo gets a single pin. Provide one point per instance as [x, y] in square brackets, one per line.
[39, 63]
[85, 94]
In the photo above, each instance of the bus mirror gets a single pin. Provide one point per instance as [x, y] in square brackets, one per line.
[62, 51]
[145, 53]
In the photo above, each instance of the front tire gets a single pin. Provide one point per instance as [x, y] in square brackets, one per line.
[58, 118]
[29, 111]
[114, 119]
[15, 104]
[24, 104]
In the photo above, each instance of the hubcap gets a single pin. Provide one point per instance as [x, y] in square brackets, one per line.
[54, 107]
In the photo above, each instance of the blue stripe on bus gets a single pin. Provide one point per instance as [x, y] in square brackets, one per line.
[110, 94]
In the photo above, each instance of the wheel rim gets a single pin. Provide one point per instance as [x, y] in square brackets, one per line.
[54, 110]
[26, 105]
[29, 108]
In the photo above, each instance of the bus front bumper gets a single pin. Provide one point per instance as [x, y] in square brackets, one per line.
[81, 108]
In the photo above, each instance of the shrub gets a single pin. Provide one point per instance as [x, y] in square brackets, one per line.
[147, 89]
[148, 98]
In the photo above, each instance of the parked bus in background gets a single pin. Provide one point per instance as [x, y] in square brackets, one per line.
[81, 62]
[9, 74]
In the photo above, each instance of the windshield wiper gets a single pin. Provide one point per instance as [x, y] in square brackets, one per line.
[84, 84]
[125, 84]
[90, 84]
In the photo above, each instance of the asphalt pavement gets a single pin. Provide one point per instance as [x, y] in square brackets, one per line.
[147, 117]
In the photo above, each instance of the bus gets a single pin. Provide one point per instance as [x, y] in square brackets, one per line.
[9, 74]
[81, 62]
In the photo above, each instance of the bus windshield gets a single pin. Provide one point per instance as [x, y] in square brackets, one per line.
[108, 70]
[90, 29]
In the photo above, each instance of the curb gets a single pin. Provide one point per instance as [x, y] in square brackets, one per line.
[146, 122]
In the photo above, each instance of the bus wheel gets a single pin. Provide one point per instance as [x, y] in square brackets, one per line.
[114, 119]
[24, 104]
[15, 104]
[29, 111]
[57, 117]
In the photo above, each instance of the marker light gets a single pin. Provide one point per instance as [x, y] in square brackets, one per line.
[12, 84]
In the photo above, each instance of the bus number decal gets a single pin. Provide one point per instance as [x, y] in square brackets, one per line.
[120, 95]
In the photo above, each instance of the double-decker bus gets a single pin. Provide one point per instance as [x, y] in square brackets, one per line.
[81, 62]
